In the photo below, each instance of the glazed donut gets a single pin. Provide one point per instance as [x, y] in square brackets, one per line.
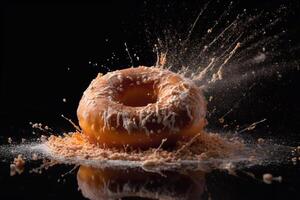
[139, 107]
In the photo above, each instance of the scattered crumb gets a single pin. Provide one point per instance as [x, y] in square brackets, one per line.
[221, 120]
[34, 156]
[39, 126]
[260, 141]
[43, 138]
[17, 166]
[46, 164]
[13, 170]
[252, 158]
[23, 140]
[64, 100]
[294, 160]
[230, 167]
[225, 125]
[36, 125]
[9, 140]
[268, 178]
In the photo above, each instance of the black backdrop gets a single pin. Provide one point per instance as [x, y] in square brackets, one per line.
[51, 51]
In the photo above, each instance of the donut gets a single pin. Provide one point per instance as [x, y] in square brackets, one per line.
[133, 183]
[139, 107]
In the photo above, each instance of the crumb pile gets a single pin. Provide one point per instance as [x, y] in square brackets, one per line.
[202, 147]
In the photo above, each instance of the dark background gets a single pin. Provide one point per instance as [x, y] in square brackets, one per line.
[51, 51]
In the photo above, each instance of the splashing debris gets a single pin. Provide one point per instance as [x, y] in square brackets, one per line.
[76, 146]
[231, 52]
[269, 178]
[252, 126]
[17, 166]
[129, 55]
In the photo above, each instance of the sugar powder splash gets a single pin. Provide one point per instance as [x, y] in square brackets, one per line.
[232, 52]
[204, 151]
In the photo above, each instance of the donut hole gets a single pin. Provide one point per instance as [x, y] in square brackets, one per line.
[138, 95]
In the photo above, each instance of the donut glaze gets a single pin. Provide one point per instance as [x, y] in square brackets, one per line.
[140, 107]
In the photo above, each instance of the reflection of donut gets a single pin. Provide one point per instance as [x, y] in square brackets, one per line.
[141, 106]
[109, 183]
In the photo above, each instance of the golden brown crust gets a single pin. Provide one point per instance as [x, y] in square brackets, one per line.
[167, 106]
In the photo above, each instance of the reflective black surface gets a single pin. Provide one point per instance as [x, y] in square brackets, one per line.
[51, 51]
[138, 184]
